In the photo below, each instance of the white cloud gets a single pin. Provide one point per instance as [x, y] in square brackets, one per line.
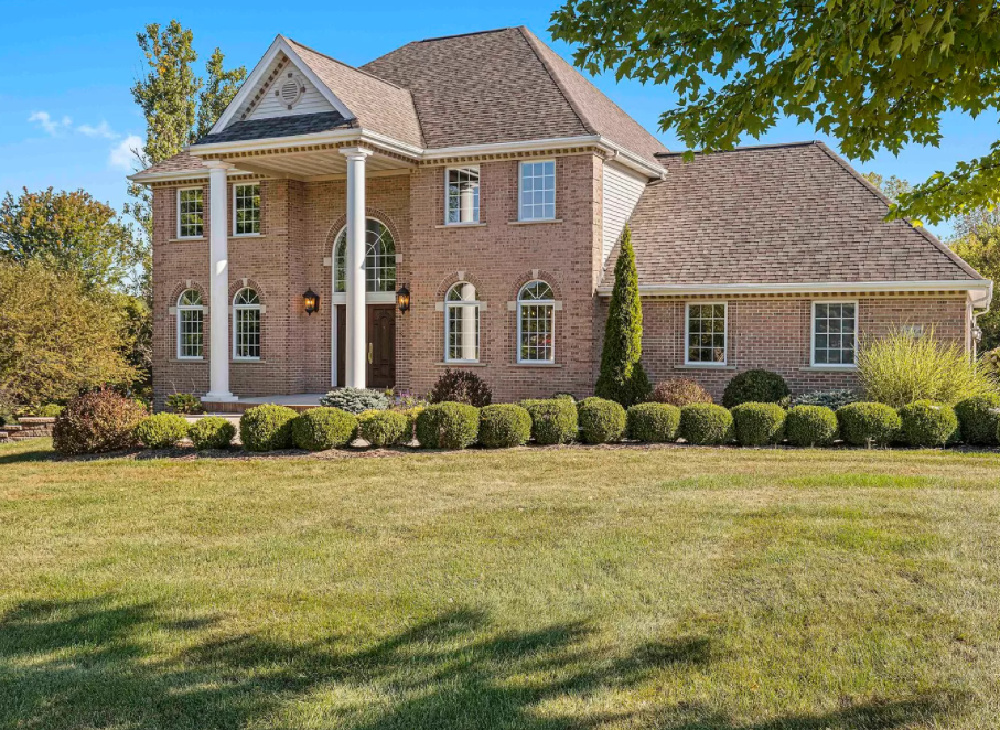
[122, 156]
[50, 125]
[101, 130]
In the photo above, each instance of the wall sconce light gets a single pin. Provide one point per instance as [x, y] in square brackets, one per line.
[310, 301]
[403, 299]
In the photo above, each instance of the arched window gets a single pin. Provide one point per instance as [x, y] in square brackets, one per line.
[190, 325]
[536, 323]
[461, 323]
[380, 258]
[246, 325]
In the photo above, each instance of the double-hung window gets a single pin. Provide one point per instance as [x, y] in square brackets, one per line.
[537, 191]
[190, 325]
[834, 334]
[536, 323]
[190, 213]
[246, 325]
[462, 195]
[246, 209]
[706, 334]
[461, 323]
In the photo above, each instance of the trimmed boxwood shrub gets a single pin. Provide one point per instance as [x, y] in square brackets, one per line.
[979, 419]
[320, 429]
[212, 432]
[811, 426]
[926, 423]
[704, 423]
[758, 424]
[161, 431]
[267, 427]
[97, 422]
[680, 392]
[384, 428]
[553, 421]
[448, 426]
[184, 404]
[504, 426]
[654, 423]
[755, 386]
[867, 423]
[355, 400]
[601, 421]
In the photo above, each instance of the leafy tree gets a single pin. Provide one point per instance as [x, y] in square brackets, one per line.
[980, 247]
[892, 187]
[622, 377]
[57, 335]
[220, 89]
[874, 74]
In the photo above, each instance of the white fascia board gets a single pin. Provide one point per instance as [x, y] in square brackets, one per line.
[179, 176]
[354, 134]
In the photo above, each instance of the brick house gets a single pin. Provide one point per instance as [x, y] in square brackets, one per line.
[495, 197]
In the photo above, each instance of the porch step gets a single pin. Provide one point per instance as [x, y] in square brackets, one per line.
[301, 402]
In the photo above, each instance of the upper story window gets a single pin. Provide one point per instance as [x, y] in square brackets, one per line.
[536, 323]
[462, 195]
[537, 194]
[190, 213]
[380, 258]
[246, 325]
[706, 334]
[246, 209]
[834, 333]
[461, 323]
[190, 325]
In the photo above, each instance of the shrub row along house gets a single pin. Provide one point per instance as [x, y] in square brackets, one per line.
[373, 226]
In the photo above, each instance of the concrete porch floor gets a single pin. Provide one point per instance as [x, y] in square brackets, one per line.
[299, 402]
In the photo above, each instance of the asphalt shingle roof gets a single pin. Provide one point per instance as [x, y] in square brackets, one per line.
[278, 127]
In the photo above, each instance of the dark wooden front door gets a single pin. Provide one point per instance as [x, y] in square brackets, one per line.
[380, 345]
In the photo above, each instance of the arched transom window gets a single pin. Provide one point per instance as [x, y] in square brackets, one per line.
[380, 258]
[461, 323]
[536, 323]
[246, 325]
[190, 325]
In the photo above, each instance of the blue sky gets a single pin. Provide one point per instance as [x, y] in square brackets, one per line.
[67, 118]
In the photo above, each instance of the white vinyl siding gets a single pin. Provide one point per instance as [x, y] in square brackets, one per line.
[622, 189]
[271, 105]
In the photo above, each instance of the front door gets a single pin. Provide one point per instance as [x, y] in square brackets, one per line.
[380, 345]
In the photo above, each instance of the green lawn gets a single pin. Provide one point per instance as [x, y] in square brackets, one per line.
[547, 589]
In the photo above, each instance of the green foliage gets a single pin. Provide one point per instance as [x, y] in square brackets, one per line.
[461, 386]
[811, 426]
[553, 421]
[738, 68]
[891, 187]
[218, 89]
[355, 400]
[448, 426]
[980, 247]
[680, 392]
[925, 423]
[652, 422]
[49, 410]
[979, 419]
[184, 403]
[96, 422]
[504, 426]
[320, 429]
[990, 364]
[211, 432]
[706, 424]
[267, 428]
[755, 386]
[601, 421]
[832, 399]
[161, 431]
[758, 424]
[384, 428]
[899, 368]
[865, 423]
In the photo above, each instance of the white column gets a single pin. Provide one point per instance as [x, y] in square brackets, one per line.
[218, 366]
[355, 355]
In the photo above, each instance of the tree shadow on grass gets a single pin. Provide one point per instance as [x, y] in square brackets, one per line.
[100, 662]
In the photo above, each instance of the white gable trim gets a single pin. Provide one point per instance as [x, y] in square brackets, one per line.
[256, 77]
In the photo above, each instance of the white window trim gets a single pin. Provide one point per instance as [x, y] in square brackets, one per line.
[189, 308]
[245, 235]
[447, 326]
[528, 303]
[555, 188]
[447, 201]
[812, 335]
[260, 323]
[178, 211]
[725, 335]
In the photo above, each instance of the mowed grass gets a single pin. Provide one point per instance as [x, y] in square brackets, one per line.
[545, 589]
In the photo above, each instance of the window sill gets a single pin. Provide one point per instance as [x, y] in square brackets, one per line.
[187, 359]
[540, 221]
[238, 236]
[703, 366]
[246, 361]
[461, 364]
[461, 225]
[830, 369]
[185, 239]
[536, 365]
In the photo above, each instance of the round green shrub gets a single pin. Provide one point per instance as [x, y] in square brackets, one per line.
[267, 428]
[384, 428]
[703, 423]
[504, 426]
[755, 386]
[601, 421]
[355, 400]
[867, 423]
[979, 419]
[320, 429]
[448, 426]
[161, 431]
[97, 422]
[211, 432]
[654, 423]
[758, 424]
[926, 423]
[553, 421]
[811, 426]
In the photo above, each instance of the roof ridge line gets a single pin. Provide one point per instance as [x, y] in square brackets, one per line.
[346, 65]
[744, 148]
[463, 35]
[531, 40]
